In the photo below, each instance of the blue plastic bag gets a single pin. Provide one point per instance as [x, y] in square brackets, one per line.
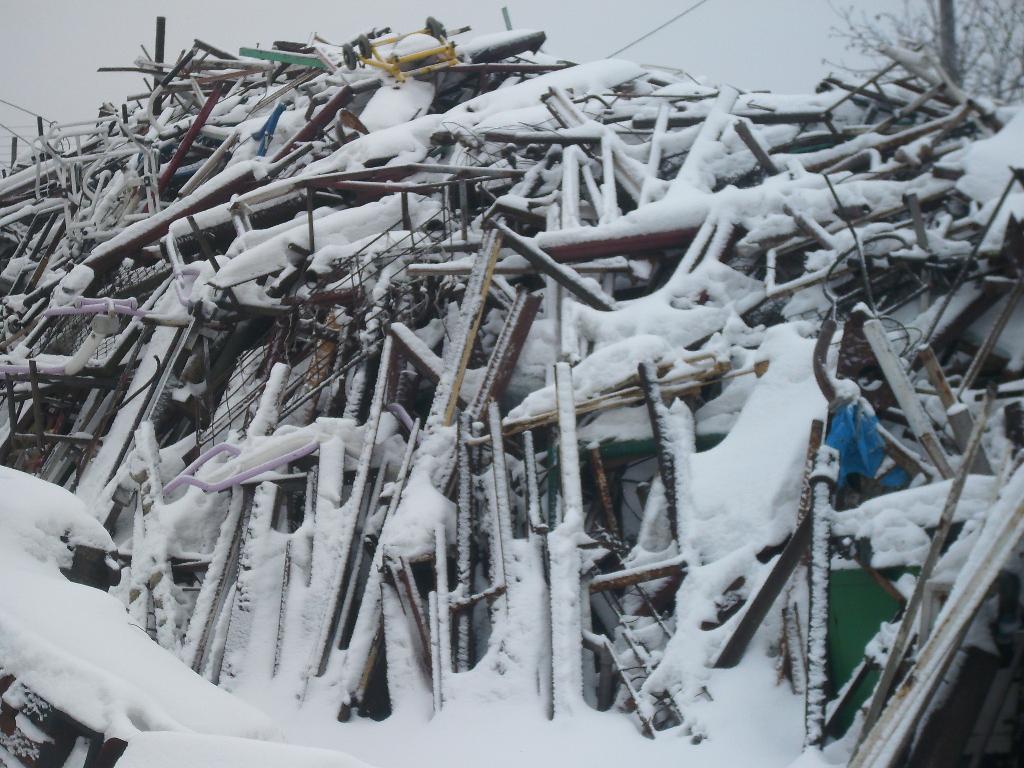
[854, 433]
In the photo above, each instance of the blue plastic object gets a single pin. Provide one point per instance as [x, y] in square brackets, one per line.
[266, 134]
[854, 433]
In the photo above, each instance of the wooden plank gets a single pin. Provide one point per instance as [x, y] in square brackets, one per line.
[675, 387]
[283, 57]
[472, 313]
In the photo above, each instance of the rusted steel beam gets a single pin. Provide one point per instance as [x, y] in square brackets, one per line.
[761, 602]
[561, 274]
[506, 351]
[326, 113]
[595, 247]
[37, 406]
[632, 576]
[501, 539]
[412, 606]
[463, 539]
[757, 116]
[604, 495]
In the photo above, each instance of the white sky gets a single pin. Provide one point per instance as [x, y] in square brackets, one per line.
[50, 49]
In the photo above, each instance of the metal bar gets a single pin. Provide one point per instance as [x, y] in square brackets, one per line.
[666, 456]
[904, 634]
[761, 602]
[603, 492]
[506, 351]
[823, 481]
[472, 314]
[632, 576]
[37, 406]
[189, 137]
[901, 387]
[755, 147]
[161, 28]
[564, 275]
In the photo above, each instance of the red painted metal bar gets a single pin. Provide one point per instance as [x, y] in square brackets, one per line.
[325, 114]
[190, 137]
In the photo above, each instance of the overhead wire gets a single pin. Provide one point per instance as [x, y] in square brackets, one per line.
[23, 109]
[658, 28]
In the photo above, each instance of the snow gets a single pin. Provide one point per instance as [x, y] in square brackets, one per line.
[36, 515]
[237, 174]
[301, 580]
[604, 370]
[335, 229]
[590, 77]
[987, 163]
[74, 646]
[897, 523]
[745, 489]
[505, 734]
[172, 750]
[402, 143]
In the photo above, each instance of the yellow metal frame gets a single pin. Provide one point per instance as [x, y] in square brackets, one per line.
[393, 64]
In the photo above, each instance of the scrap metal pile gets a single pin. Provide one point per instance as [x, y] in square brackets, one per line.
[414, 368]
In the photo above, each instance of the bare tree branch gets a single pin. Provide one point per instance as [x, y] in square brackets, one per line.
[989, 40]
